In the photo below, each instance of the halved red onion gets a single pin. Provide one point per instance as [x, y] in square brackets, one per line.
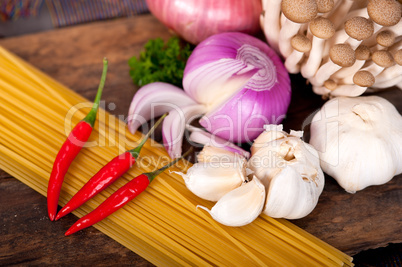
[174, 125]
[242, 82]
[236, 80]
[153, 100]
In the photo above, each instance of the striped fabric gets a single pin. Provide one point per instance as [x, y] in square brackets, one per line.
[70, 12]
[14, 9]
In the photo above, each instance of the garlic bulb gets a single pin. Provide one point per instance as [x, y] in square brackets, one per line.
[359, 141]
[290, 171]
[240, 206]
[217, 172]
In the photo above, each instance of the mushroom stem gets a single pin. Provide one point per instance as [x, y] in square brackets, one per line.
[396, 29]
[297, 12]
[340, 12]
[324, 72]
[288, 30]
[322, 29]
[314, 60]
[341, 55]
[301, 44]
[396, 81]
[388, 77]
[350, 90]
[321, 90]
[345, 75]
[270, 24]
[293, 60]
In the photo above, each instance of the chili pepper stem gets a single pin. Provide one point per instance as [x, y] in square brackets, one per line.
[152, 175]
[91, 116]
[136, 151]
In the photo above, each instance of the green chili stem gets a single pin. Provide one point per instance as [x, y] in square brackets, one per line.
[91, 116]
[136, 151]
[152, 175]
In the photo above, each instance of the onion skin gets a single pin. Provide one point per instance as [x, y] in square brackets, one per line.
[195, 20]
[250, 76]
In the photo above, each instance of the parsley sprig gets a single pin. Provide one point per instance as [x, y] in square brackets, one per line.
[160, 62]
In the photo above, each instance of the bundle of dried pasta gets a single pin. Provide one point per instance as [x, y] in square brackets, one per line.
[162, 224]
[343, 47]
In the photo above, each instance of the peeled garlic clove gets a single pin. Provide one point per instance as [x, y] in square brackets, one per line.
[293, 195]
[240, 206]
[212, 180]
[359, 141]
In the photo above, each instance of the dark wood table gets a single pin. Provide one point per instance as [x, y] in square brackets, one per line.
[73, 55]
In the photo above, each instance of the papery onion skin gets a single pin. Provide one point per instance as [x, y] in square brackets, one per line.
[263, 93]
[195, 20]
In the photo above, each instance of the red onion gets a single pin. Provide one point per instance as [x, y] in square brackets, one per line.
[235, 79]
[195, 20]
[242, 82]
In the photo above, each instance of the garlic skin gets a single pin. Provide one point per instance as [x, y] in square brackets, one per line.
[217, 172]
[359, 141]
[240, 206]
[290, 171]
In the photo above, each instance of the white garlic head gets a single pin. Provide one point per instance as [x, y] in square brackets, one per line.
[290, 171]
[359, 141]
[216, 173]
[240, 206]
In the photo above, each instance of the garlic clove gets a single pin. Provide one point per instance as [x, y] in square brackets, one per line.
[217, 155]
[290, 171]
[272, 132]
[200, 136]
[294, 192]
[359, 141]
[212, 180]
[240, 206]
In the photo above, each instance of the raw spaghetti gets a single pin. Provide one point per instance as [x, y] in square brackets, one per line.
[162, 225]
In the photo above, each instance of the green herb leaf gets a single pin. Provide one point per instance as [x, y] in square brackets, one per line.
[160, 62]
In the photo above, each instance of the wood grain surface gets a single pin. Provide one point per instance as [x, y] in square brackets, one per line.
[351, 222]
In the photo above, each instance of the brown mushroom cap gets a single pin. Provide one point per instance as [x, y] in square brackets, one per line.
[383, 58]
[301, 43]
[363, 78]
[384, 12]
[385, 38]
[330, 84]
[342, 55]
[299, 11]
[322, 28]
[359, 28]
[325, 6]
[398, 57]
[363, 52]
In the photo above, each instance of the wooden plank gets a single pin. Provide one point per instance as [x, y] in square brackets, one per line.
[73, 55]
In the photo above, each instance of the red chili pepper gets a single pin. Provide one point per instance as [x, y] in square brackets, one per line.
[107, 175]
[70, 149]
[119, 198]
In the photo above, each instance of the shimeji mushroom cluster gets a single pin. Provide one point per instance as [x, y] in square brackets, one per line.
[343, 47]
